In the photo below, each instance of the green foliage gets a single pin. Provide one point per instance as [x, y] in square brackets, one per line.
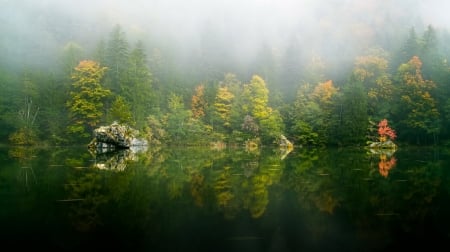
[71, 55]
[53, 95]
[222, 105]
[417, 108]
[312, 113]
[258, 96]
[117, 53]
[372, 71]
[272, 127]
[24, 136]
[86, 98]
[120, 111]
[155, 131]
[415, 97]
[351, 119]
[26, 133]
[305, 134]
[177, 118]
[138, 88]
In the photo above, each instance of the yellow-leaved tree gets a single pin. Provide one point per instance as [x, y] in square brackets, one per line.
[222, 105]
[198, 102]
[86, 98]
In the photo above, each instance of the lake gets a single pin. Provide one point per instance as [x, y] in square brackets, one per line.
[224, 199]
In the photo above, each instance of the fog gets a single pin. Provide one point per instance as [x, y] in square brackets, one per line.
[336, 30]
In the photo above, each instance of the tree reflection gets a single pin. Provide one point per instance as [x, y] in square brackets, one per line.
[387, 160]
[240, 180]
[85, 196]
[162, 191]
[25, 156]
[386, 164]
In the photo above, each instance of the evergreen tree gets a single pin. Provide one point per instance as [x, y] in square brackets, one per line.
[312, 112]
[291, 69]
[177, 118]
[138, 89]
[350, 120]
[52, 121]
[302, 117]
[100, 53]
[72, 54]
[117, 52]
[26, 132]
[121, 111]
[411, 47]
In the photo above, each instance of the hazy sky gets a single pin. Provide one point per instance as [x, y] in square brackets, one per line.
[31, 27]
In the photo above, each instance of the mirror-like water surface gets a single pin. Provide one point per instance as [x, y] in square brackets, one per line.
[201, 199]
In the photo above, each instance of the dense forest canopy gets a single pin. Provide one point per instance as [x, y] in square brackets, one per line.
[319, 72]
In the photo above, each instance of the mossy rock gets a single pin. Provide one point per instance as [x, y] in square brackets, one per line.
[382, 145]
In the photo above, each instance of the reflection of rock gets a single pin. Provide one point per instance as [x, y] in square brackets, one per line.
[386, 154]
[116, 160]
[284, 142]
[114, 137]
[284, 152]
[138, 148]
[286, 146]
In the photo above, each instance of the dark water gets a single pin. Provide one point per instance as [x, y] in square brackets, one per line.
[199, 199]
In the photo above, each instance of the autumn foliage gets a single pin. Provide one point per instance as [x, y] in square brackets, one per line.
[385, 165]
[384, 131]
[198, 103]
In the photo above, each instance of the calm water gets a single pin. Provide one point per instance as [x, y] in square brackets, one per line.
[200, 199]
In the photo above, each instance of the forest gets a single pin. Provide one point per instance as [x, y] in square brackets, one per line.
[213, 96]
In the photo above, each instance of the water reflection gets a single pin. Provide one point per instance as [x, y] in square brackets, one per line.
[175, 196]
[25, 155]
[387, 160]
[114, 161]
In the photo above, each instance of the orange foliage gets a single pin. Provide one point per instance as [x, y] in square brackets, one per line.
[198, 102]
[384, 166]
[384, 130]
[324, 91]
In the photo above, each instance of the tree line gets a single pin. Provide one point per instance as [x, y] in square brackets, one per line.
[122, 82]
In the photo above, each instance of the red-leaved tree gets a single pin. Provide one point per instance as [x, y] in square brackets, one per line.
[384, 131]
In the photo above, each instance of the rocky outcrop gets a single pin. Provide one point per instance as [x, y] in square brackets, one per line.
[284, 142]
[382, 145]
[114, 137]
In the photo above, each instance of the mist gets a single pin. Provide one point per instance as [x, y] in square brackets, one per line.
[336, 30]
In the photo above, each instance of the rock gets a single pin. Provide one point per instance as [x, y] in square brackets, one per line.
[284, 142]
[382, 145]
[113, 137]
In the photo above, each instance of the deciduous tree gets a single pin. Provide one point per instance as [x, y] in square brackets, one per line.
[417, 108]
[198, 102]
[86, 97]
[222, 105]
